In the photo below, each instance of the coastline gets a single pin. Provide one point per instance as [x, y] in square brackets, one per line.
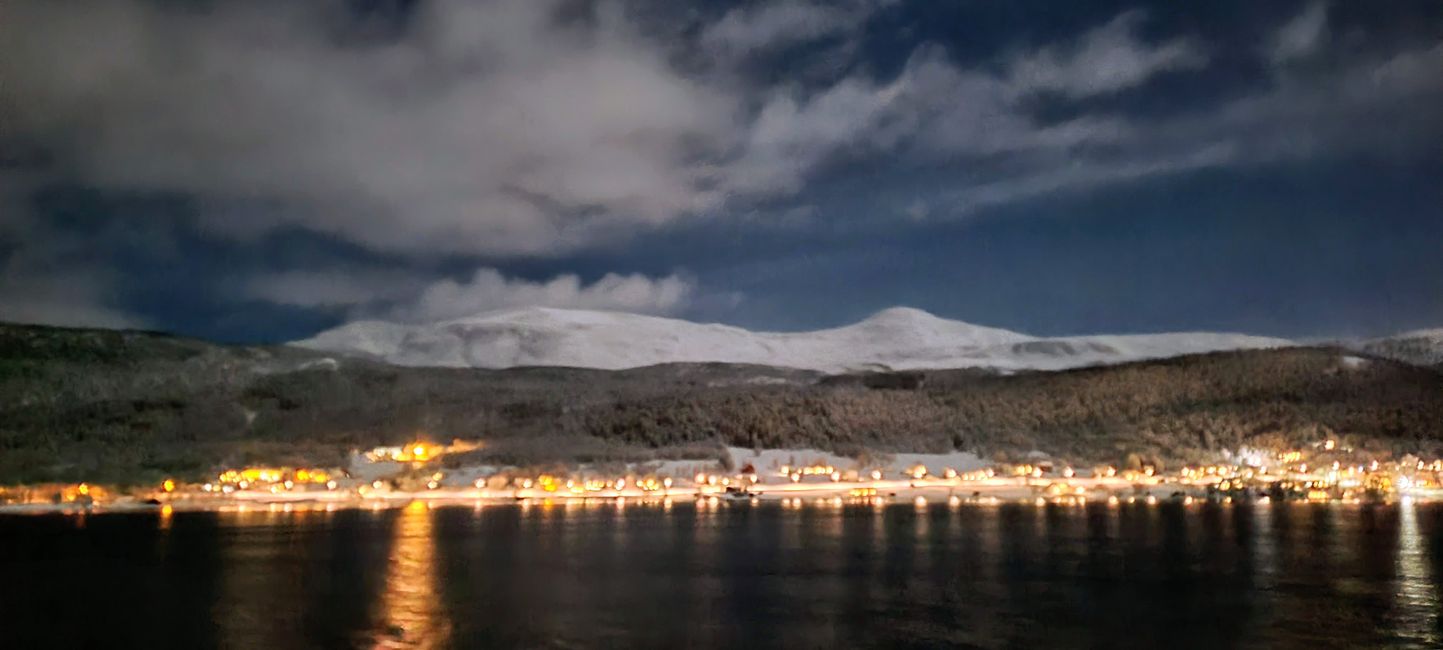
[994, 492]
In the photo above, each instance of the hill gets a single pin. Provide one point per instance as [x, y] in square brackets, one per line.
[95, 405]
[892, 339]
[1420, 347]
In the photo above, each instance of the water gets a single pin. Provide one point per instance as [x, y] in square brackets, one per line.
[741, 576]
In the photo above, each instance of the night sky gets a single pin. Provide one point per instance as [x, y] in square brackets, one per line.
[258, 171]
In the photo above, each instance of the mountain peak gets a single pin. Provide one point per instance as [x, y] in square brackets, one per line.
[924, 329]
[903, 314]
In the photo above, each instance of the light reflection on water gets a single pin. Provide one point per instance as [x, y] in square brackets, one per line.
[722, 574]
[1417, 598]
[410, 605]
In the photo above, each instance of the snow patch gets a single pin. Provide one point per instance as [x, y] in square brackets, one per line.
[320, 364]
[892, 339]
[771, 461]
[1418, 347]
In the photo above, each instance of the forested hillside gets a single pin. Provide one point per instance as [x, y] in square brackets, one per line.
[1174, 409]
[83, 404]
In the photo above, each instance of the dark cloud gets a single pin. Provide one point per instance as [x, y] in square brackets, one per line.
[475, 155]
[49, 275]
[486, 127]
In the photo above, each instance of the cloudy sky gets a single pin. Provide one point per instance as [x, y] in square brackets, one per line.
[260, 170]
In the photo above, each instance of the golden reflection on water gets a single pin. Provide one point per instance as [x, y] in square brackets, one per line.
[411, 611]
[1416, 599]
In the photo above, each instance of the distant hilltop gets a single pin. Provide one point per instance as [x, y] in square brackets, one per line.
[899, 338]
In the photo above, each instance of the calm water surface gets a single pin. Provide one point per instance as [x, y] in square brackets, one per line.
[733, 575]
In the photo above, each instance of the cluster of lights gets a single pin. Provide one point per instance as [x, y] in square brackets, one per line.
[415, 452]
[549, 483]
[73, 493]
[652, 484]
[1328, 479]
[419, 451]
[276, 479]
[919, 472]
[1322, 481]
[817, 469]
[1204, 473]
[717, 480]
[1058, 489]
[1027, 470]
[795, 474]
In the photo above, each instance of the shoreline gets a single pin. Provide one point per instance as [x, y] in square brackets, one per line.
[1087, 492]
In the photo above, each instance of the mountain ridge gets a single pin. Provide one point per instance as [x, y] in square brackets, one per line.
[897, 338]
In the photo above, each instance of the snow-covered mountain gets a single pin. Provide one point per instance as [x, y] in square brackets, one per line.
[1419, 347]
[897, 338]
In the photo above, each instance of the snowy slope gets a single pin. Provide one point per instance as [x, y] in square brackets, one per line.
[897, 338]
[1420, 347]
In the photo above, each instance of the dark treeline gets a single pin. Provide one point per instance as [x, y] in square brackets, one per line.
[1168, 410]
